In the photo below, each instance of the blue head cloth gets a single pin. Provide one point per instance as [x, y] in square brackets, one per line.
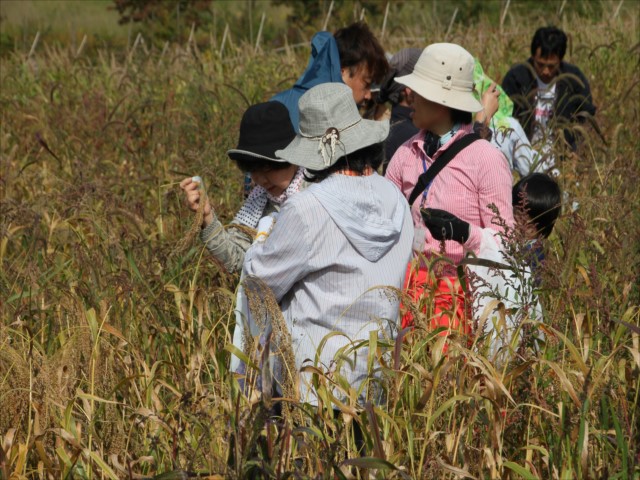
[323, 67]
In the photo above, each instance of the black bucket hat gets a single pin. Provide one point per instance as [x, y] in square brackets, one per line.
[265, 128]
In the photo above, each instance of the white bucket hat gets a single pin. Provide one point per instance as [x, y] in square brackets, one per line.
[444, 75]
[330, 127]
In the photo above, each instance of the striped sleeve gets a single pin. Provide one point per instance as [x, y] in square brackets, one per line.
[494, 189]
[226, 245]
[283, 259]
[394, 170]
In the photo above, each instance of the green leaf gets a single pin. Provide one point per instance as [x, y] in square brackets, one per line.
[173, 475]
[370, 463]
[620, 440]
[136, 271]
[445, 406]
[106, 469]
[373, 346]
[537, 448]
[231, 348]
[62, 455]
[573, 350]
[582, 431]
[520, 470]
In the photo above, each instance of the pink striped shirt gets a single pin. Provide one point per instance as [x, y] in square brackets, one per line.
[476, 178]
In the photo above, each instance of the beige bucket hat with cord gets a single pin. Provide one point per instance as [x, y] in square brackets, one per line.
[330, 127]
[444, 75]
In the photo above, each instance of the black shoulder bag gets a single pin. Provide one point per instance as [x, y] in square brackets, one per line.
[449, 154]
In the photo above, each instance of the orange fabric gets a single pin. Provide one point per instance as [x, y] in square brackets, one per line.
[366, 171]
[448, 298]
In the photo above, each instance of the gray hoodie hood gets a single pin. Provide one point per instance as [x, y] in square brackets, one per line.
[368, 210]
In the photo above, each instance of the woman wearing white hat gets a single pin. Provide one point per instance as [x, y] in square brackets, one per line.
[335, 243]
[445, 167]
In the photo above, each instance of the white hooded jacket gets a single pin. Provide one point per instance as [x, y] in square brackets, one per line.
[330, 247]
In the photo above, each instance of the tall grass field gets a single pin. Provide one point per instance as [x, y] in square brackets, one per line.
[116, 325]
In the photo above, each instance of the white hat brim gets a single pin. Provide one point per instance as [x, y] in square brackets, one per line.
[453, 98]
[305, 152]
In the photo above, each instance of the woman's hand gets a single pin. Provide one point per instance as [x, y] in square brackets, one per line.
[490, 104]
[445, 226]
[193, 196]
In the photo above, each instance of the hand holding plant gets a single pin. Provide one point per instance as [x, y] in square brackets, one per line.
[192, 187]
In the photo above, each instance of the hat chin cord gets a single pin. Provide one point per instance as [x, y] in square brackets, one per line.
[329, 140]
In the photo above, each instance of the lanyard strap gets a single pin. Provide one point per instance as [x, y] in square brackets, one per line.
[441, 141]
[426, 189]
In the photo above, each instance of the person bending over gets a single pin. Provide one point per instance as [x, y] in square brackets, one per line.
[264, 128]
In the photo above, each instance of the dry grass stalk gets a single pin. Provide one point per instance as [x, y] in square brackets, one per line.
[186, 241]
[14, 388]
[265, 311]
[449, 407]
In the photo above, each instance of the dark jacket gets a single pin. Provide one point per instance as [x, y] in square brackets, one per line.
[401, 130]
[572, 96]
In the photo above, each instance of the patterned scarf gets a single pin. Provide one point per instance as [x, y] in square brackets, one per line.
[253, 209]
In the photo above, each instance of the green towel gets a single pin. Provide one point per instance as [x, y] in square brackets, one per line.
[505, 106]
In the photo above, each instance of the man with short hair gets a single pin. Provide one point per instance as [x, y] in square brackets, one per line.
[352, 56]
[362, 59]
[545, 89]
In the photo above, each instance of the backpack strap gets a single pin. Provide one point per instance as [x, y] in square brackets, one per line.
[449, 154]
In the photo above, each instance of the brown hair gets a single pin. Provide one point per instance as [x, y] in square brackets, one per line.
[358, 44]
